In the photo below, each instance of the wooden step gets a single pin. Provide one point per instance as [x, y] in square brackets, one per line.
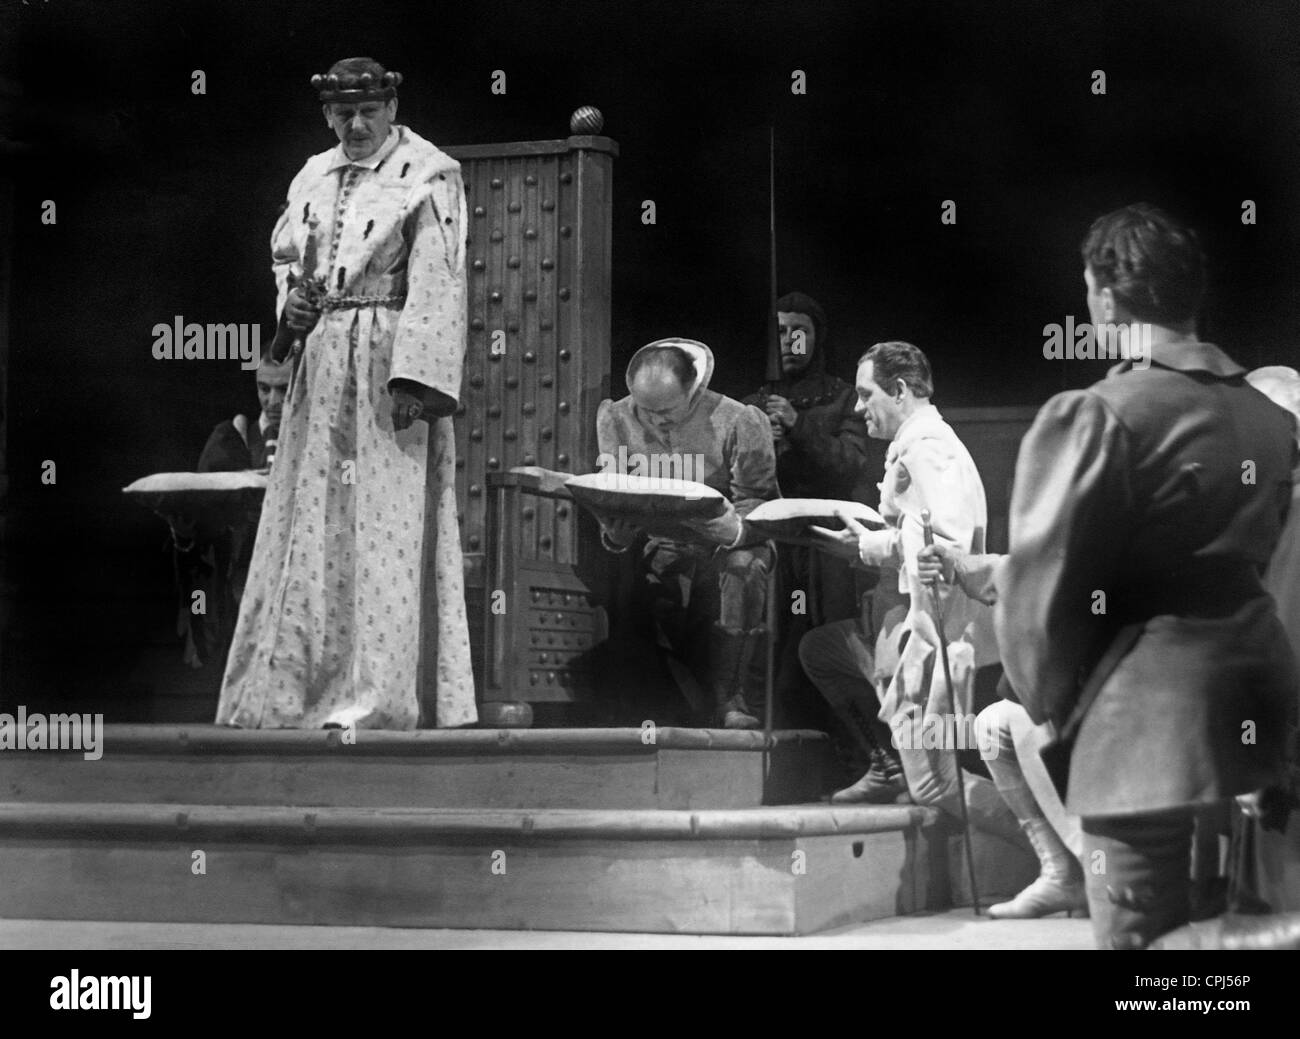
[775, 871]
[438, 768]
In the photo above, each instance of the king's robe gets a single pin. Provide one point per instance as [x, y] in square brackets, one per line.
[329, 628]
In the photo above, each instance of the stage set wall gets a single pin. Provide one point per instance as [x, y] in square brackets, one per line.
[539, 588]
[540, 314]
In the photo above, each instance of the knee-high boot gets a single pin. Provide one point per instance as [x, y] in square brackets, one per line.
[751, 682]
[731, 652]
[1060, 881]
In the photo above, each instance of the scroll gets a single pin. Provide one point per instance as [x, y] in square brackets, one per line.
[193, 492]
[658, 505]
[547, 481]
[788, 519]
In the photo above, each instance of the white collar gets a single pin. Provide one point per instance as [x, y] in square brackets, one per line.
[911, 427]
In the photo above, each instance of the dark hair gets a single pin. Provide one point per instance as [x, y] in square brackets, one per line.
[267, 361]
[671, 358]
[898, 360]
[802, 303]
[1152, 263]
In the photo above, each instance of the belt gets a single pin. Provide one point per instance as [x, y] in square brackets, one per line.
[351, 302]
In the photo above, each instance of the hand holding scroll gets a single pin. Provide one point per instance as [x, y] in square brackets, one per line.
[843, 543]
[618, 530]
[720, 530]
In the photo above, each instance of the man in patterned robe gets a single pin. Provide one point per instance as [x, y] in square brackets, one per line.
[329, 630]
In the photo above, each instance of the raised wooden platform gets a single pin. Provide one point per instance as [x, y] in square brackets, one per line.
[950, 929]
[669, 768]
[578, 829]
[776, 871]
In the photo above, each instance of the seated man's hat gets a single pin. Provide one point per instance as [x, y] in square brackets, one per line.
[357, 79]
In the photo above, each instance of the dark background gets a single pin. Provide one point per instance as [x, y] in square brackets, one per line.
[166, 200]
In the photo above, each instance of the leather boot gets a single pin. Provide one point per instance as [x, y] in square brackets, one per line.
[868, 734]
[1059, 885]
[884, 783]
[853, 752]
[727, 648]
[745, 705]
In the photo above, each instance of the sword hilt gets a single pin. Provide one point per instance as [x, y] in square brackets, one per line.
[926, 526]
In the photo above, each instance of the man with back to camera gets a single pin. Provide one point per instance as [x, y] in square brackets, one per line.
[1130, 611]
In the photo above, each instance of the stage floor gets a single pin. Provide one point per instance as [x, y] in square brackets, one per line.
[956, 929]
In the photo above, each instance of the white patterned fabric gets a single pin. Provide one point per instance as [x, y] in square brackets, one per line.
[329, 628]
[927, 468]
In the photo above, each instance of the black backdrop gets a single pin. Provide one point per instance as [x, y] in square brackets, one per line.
[165, 201]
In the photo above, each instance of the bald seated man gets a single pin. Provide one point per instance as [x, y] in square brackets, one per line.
[707, 587]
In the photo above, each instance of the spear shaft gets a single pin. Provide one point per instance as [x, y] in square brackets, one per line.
[773, 332]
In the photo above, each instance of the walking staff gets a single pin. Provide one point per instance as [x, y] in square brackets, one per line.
[952, 699]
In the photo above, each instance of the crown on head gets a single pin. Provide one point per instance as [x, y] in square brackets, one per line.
[357, 79]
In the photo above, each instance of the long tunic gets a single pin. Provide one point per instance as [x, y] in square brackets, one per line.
[329, 627]
[1144, 509]
[927, 467]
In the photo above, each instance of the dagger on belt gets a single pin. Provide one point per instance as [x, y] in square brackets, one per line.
[312, 287]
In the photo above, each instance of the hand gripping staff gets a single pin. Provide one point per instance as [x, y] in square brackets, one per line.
[952, 700]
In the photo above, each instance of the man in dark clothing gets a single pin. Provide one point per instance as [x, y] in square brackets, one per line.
[822, 451]
[238, 444]
[1130, 612]
[214, 548]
